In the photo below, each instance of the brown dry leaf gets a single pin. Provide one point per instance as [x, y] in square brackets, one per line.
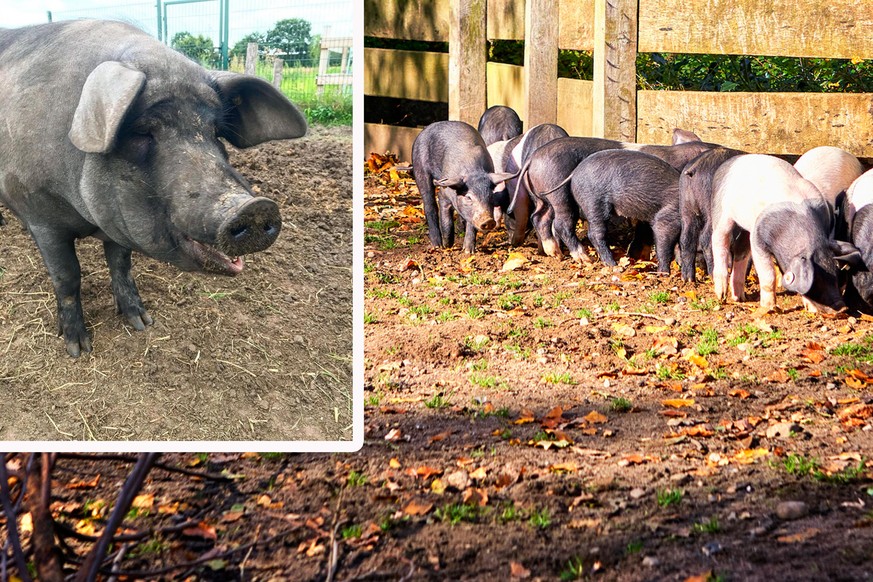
[426, 472]
[584, 522]
[527, 416]
[798, 537]
[678, 402]
[595, 417]
[814, 353]
[700, 430]
[440, 437]
[231, 516]
[393, 435]
[698, 361]
[201, 530]
[666, 346]
[394, 463]
[568, 467]
[312, 549]
[144, 501]
[513, 262]
[466, 265]
[264, 501]
[637, 459]
[780, 376]
[674, 413]
[705, 577]
[409, 265]
[476, 497]
[749, 456]
[84, 484]
[437, 486]
[516, 570]
[479, 474]
[740, 393]
[416, 507]
[860, 411]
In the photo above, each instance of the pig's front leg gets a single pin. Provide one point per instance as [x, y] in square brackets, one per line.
[127, 299]
[59, 254]
[521, 215]
[763, 262]
[470, 238]
[447, 221]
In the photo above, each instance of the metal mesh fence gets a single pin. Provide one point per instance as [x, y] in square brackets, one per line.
[312, 39]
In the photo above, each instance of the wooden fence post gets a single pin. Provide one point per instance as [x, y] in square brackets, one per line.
[467, 59]
[251, 58]
[278, 69]
[540, 62]
[615, 72]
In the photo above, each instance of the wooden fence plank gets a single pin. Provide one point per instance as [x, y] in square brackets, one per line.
[467, 58]
[574, 106]
[775, 123]
[796, 28]
[540, 62]
[506, 20]
[576, 22]
[506, 86]
[389, 138]
[406, 74]
[615, 72]
[407, 19]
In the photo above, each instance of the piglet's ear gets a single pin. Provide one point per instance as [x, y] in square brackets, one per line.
[497, 178]
[456, 183]
[684, 136]
[107, 95]
[255, 111]
[847, 254]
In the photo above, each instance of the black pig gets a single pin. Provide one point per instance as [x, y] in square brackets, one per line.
[109, 133]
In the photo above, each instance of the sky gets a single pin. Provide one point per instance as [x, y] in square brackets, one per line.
[197, 18]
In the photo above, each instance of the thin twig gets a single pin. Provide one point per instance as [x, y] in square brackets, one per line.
[12, 525]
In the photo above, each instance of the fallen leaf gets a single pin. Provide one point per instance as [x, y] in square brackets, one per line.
[516, 570]
[479, 474]
[394, 463]
[739, 393]
[568, 467]
[780, 376]
[595, 417]
[698, 361]
[749, 456]
[476, 497]
[440, 437]
[426, 472]
[526, 417]
[84, 484]
[798, 537]
[393, 435]
[144, 501]
[201, 530]
[437, 486]
[416, 507]
[513, 262]
[678, 402]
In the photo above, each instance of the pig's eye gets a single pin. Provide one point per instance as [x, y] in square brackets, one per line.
[141, 144]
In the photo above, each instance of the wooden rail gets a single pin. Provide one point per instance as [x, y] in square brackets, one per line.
[616, 30]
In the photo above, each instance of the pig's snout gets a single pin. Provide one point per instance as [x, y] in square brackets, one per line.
[253, 227]
[488, 225]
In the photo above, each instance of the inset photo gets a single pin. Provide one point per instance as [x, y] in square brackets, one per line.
[176, 241]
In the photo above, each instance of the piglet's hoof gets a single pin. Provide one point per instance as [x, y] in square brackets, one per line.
[763, 310]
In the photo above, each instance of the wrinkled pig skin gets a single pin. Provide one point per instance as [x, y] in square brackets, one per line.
[695, 207]
[786, 218]
[108, 133]
[453, 156]
[634, 185]
[499, 123]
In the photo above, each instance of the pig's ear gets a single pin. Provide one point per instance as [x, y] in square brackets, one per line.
[458, 183]
[683, 136]
[798, 278]
[847, 254]
[497, 178]
[107, 95]
[255, 111]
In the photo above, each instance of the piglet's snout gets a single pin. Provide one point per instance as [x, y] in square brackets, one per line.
[250, 227]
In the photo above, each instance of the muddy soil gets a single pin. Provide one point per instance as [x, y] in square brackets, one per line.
[262, 356]
[534, 418]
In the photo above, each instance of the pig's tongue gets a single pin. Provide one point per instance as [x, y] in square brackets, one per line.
[214, 260]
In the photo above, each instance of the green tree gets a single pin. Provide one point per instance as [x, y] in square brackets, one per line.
[239, 49]
[293, 37]
[198, 48]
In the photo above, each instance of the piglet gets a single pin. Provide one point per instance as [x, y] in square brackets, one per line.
[634, 185]
[453, 156]
[499, 123]
[830, 168]
[773, 212]
[859, 215]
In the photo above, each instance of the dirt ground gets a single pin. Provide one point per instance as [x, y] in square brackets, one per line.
[262, 356]
[534, 418]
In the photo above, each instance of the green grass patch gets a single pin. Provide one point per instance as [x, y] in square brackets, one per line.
[455, 513]
[620, 404]
[558, 378]
[668, 497]
[540, 518]
[660, 297]
[439, 400]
